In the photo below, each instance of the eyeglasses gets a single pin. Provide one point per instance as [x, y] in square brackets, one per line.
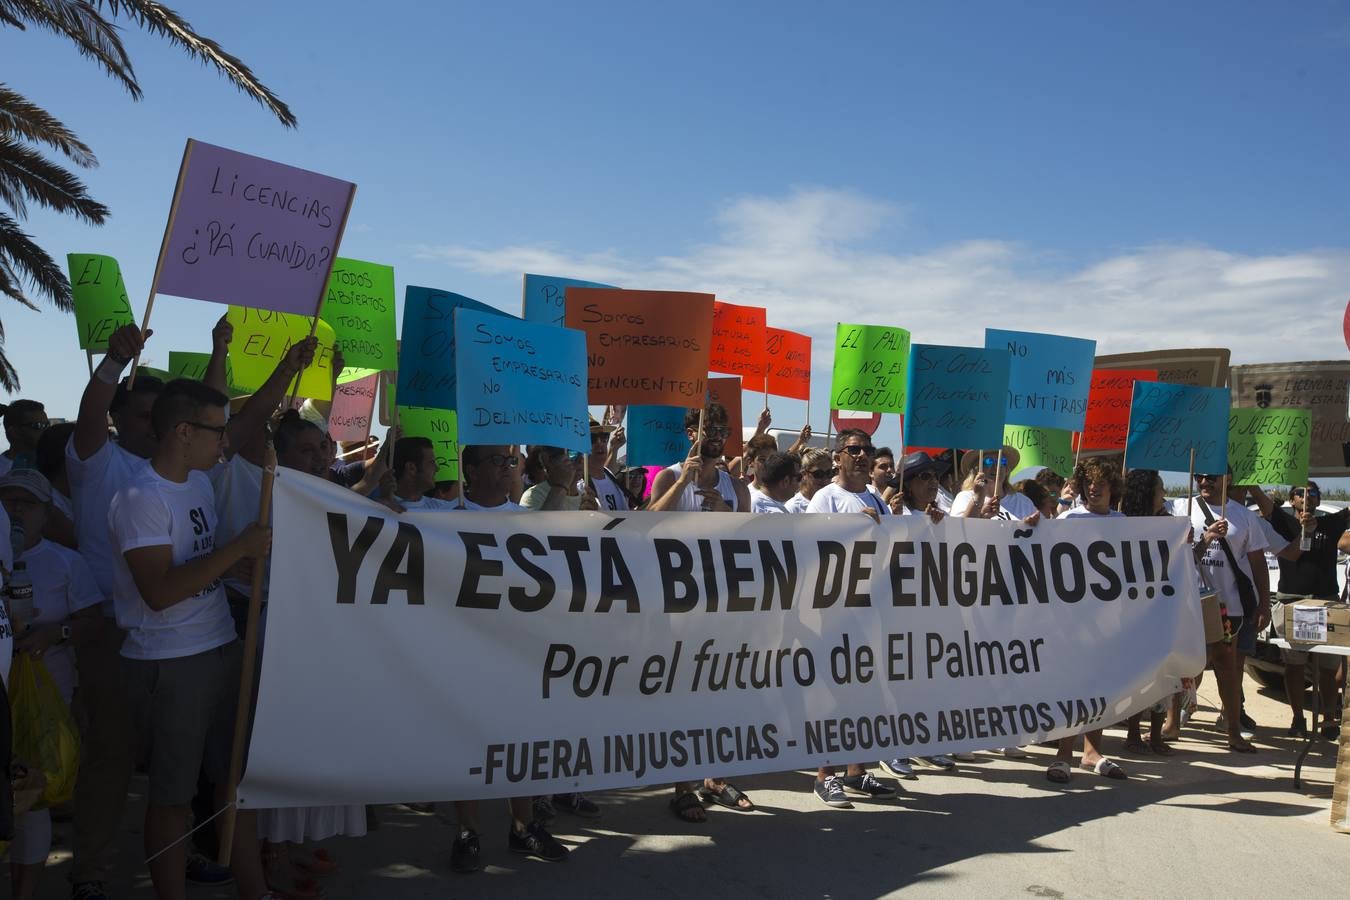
[820, 474]
[218, 429]
[990, 461]
[716, 431]
[859, 449]
[498, 459]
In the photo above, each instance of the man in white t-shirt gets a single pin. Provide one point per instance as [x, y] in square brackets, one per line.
[699, 484]
[605, 443]
[415, 470]
[776, 478]
[848, 493]
[1230, 548]
[181, 658]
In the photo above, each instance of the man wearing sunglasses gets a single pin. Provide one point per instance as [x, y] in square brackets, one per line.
[1230, 548]
[25, 420]
[817, 470]
[1306, 574]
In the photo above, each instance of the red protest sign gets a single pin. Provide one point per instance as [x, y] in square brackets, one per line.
[788, 364]
[643, 346]
[1108, 412]
[738, 343]
[727, 391]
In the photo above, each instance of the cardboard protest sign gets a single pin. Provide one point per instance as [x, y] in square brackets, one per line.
[251, 232]
[352, 373]
[439, 427]
[957, 396]
[1167, 420]
[727, 391]
[1108, 412]
[739, 343]
[349, 418]
[520, 382]
[261, 339]
[1269, 446]
[359, 304]
[788, 363]
[870, 368]
[644, 346]
[656, 435]
[1207, 367]
[426, 369]
[189, 364]
[1320, 388]
[1049, 447]
[1048, 378]
[544, 298]
[101, 305]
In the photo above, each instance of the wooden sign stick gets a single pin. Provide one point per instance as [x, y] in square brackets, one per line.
[249, 664]
[159, 263]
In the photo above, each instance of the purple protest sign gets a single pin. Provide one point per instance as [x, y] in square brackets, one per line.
[252, 232]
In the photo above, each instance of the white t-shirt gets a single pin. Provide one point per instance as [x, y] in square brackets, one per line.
[761, 502]
[797, 504]
[534, 497]
[238, 489]
[1075, 512]
[504, 506]
[151, 511]
[62, 585]
[834, 499]
[425, 502]
[691, 501]
[1244, 536]
[607, 492]
[93, 482]
[1013, 505]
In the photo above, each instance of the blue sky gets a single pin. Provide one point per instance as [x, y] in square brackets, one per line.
[1148, 175]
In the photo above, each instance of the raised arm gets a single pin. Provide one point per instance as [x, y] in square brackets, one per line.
[91, 426]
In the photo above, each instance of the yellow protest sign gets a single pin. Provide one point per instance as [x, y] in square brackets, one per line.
[261, 339]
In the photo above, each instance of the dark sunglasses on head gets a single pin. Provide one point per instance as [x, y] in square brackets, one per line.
[859, 449]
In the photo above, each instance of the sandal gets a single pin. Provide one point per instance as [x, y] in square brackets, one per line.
[320, 862]
[688, 808]
[1107, 768]
[1059, 772]
[1241, 746]
[1137, 745]
[729, 796]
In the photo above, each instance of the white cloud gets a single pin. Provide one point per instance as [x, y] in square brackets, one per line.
[805, 257]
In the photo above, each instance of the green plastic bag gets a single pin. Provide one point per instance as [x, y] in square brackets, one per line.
[45, 737]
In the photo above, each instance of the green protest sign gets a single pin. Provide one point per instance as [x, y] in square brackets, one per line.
[359, 304]
[1269, 446]
[870, 364]
[101, 305]
[437, 426]
[188, 364]
[1035, 446]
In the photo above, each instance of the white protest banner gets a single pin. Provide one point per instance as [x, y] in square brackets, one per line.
[498, 655]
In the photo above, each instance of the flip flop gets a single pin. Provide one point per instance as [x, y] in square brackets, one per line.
[1107, 768]
[1059, 772]
[729, 796]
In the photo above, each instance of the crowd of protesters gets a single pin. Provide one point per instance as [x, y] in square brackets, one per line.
[137, 526]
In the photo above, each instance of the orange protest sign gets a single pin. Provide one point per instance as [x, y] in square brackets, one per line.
[643, 346]
[1108, 411]
[788, 364]
[738, 343]
[727, 391]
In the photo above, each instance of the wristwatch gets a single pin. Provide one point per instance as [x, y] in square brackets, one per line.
[65, 633]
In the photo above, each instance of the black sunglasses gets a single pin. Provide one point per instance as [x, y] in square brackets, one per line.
[1299, 492]
[498, 459]
[818, 473]
[1199, 478]
[859, 449]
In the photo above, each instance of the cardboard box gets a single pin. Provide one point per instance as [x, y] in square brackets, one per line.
[1317, 622]
[1213, 619]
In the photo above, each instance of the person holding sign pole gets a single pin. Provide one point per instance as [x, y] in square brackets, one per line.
[605, 440]
[984, 488]
[1100, 486]
[1230, 548]
[699, 485]
[850, 492]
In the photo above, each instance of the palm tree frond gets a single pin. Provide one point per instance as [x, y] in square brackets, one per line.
[93, 35]
[19, 116]
[25, 173]
[159, 19]
[20, 255]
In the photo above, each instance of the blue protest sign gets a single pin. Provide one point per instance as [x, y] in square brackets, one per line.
[426, 365]
[1167, 420]
[656, 435]
[956, 396]
[520, 382]
[1049, 377]
[545, 297]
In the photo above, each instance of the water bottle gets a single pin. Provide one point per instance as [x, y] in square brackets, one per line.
[1305, 542]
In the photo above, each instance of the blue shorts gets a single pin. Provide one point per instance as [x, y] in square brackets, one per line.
[1244, 634]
